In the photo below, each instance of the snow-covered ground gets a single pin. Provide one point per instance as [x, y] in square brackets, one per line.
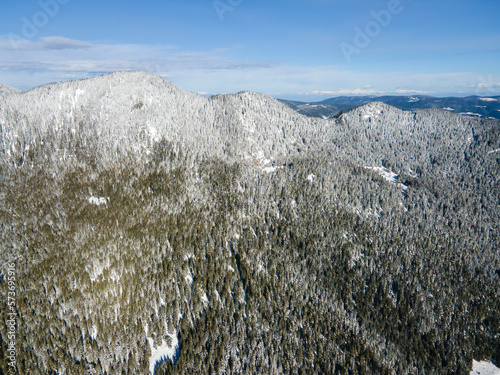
[204, 299]
[484, 368]
[385, 173]
[372, 110]
[269, 169]
[98, 200]
[313, 105]
[162, 352]
[470, 114]
[389, 176]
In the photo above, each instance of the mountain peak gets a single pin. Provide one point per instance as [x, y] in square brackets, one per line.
[133, 80]
[7, 90]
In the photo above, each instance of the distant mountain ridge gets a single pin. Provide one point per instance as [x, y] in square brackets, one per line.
[472, 106]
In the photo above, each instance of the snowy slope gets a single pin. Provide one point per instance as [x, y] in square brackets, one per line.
[133, 109]
[389, 176]
[163, 352]
[6, 90]
[376, 132]
[484, 368]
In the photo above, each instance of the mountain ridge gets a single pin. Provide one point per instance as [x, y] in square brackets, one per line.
[135, 102]
[472, 106]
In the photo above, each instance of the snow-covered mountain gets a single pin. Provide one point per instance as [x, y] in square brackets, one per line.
[131, 110]
[128, 108]
[7, 90]
[156, 231]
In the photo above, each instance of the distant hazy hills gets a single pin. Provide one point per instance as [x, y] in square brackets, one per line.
[473, 106]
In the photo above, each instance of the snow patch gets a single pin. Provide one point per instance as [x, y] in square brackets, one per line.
[494, 151]
[448, 109]
[188, 256]
[413, 99]
[154, 136]
[488, 99]
[389, 176]
[98, 200]
[385, 173]
[484, 368]
[372, 110]
[93, 335]
[269, 169]
[204, 299]
[470, 114]
[311, 177]
[163, 352]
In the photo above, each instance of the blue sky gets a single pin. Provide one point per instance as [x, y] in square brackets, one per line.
[295, 49]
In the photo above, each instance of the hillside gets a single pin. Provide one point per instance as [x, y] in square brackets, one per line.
[153, 230]
[127, 108]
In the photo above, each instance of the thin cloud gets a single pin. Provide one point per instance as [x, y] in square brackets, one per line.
[69, 55]
[413, 92]
[45, 43]
[216, 71]
[58, 42]
[345, 92]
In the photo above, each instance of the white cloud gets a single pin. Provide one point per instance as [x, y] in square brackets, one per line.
[413, 92]
[56, 58]
[345, 92]
[58, 42]
[44, 43]
[68, 55]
